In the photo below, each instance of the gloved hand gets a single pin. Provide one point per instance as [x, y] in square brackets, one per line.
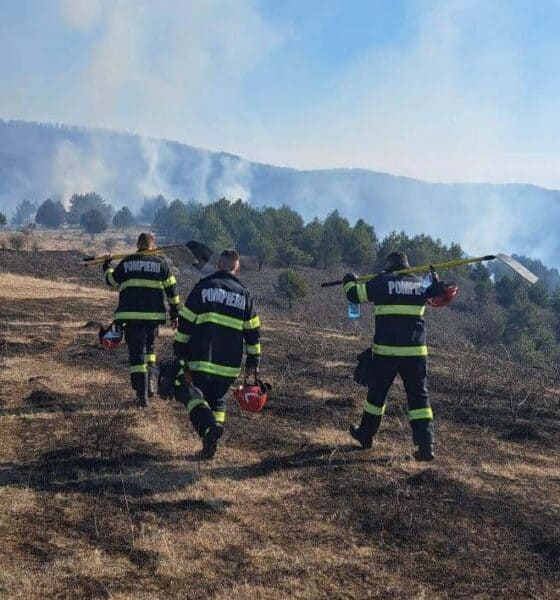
[173, 312]
[349, 277]
[251, 373]
[107, 263]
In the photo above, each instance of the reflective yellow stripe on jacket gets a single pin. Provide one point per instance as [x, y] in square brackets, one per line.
[182, 338]
[361, 291]
[140, 316]
[213, 368]
[400, 309]
[110, 279]
[187, 314]
[142, 283]
[218, 319]
[400, 350]
[169, 281]
[253, 323]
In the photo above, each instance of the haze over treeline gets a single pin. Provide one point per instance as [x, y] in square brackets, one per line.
[39, 161]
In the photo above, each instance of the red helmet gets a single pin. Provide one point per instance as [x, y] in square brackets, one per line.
[446, 293]
[111, 336]
[252, 397]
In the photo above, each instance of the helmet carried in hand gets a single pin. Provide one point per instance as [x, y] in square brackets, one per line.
[252, 397]
[444, 293]
[110, 337]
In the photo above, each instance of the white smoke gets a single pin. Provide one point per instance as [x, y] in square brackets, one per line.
[157, 155]
[234, 181]
[77, 170]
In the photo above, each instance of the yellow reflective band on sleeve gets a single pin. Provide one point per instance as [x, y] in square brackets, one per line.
[218, 319]
[182, 338]
[371, 409]
[141, 283]
[169, 281]
[138, 369]
[220, 417]
[213, 368]
[253, 349]
[187, 314]
[174, 300]
[400, 309]
[109, 274]
[195, 403]
[362, 293]
[151, 358]
[140, 316]
[420, 413]
[400, 350]
[253, 323]
[348, 286]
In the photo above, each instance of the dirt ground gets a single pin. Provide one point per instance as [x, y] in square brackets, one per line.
[101, 500]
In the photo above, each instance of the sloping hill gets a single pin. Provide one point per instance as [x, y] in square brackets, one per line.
[100, 500]
[37, 161]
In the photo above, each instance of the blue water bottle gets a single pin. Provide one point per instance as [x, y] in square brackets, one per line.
[354, 310]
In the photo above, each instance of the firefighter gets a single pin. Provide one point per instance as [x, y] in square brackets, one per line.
[399, 347]
[143, 281]
[218, 318]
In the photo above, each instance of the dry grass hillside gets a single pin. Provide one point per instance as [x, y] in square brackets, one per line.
[103, 501]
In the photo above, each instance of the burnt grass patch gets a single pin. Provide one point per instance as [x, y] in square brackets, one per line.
[526, 432]
[438, 518]
[49, 401]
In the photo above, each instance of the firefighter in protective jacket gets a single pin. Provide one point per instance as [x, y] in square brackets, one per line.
[143, 282]
[217, 320]
[399, 347]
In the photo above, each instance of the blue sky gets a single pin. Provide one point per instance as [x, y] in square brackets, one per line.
[454, 90]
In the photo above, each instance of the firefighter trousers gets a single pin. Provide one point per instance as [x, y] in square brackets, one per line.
[206, 409]
[413, 372]
[140, 338]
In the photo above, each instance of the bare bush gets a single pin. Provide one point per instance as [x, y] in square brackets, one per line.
[104, 436]
[17, 241]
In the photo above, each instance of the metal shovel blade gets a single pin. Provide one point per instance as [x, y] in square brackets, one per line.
[204, 258]
[517, 267]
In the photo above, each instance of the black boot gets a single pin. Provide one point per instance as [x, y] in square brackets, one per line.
[141, 400]
[365, 440]
[210, 442]
[139, 383]
[425, 453]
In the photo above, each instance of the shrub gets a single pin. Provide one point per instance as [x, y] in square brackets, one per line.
[291, 285]
[93, 221]
[51, 214]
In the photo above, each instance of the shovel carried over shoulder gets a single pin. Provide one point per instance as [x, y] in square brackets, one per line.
[504, 258]
[202, 255]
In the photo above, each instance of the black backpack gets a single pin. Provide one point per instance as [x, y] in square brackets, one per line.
[168, 373]
[362, 370]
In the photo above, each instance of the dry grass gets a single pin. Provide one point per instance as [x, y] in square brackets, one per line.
[18, 287]
[75, 239]
[102, 501]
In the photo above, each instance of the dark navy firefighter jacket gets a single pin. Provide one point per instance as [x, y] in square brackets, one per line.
[399, 312]
[143, 282]
[216, 322]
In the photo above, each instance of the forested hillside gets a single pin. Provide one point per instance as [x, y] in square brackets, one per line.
[41, 161]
